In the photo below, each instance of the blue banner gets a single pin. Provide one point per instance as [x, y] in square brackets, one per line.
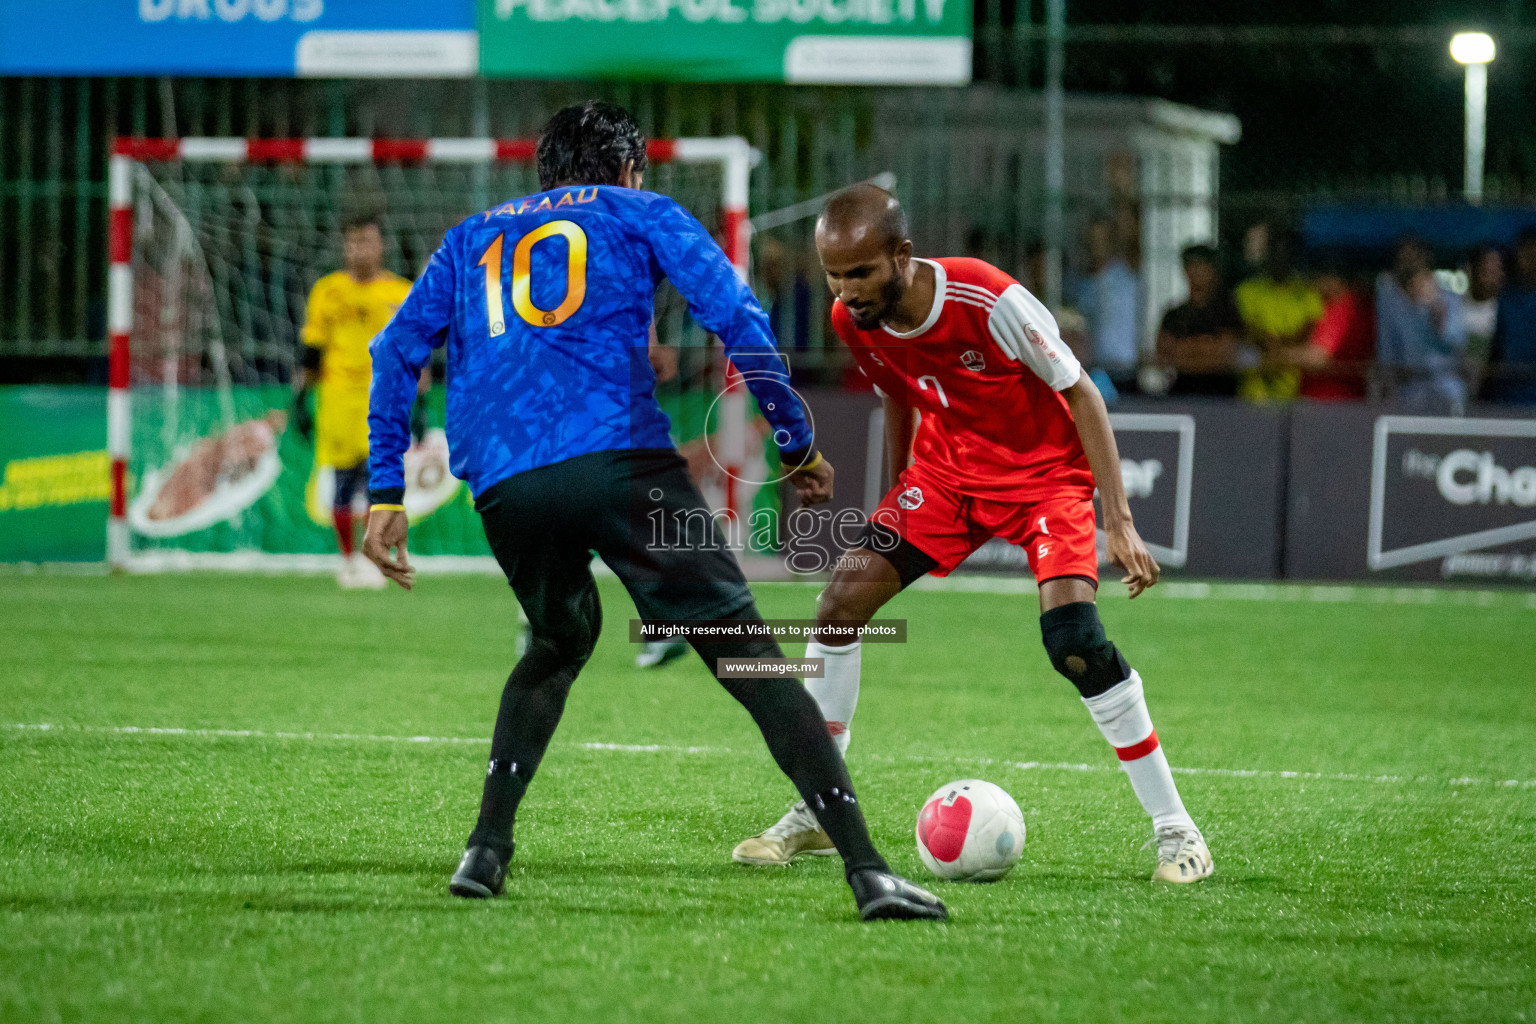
[255, 38]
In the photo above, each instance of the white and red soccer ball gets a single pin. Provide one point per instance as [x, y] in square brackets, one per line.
[970, 830]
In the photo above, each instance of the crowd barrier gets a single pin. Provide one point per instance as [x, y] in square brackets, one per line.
[1379, 495]
[1312, 491]
[1220, 490]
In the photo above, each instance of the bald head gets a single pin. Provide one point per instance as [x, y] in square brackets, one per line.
[863, 213]
[861, 238]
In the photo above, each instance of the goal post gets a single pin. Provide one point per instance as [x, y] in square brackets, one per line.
[212, 240]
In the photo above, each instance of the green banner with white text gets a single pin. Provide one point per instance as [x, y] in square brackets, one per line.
[850, 42]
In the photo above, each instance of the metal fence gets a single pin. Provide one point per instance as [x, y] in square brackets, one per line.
[1354, 113]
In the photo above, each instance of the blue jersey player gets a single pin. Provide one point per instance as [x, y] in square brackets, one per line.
[544, 305]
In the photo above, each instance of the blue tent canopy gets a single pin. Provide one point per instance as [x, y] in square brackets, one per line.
[1370, 230]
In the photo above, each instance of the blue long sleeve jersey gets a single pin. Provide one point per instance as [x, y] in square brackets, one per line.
[545, 304]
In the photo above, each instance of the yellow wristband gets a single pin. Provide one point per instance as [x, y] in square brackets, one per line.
[386, 508]
[818, 460]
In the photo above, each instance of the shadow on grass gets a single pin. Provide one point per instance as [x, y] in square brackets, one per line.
[420, 883]
[176, 902]
[545, 903]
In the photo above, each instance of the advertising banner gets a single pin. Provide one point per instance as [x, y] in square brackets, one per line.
[235, 476]
[1410, 497]
[221, 471]
[914, 42]
[54, 474]
[1205, 483]
[1157, 468]
[268, 38]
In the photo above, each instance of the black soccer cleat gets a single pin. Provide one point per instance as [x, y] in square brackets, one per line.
[883, 896]
[482, 874]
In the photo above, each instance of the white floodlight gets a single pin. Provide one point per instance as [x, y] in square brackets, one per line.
[1472, 47]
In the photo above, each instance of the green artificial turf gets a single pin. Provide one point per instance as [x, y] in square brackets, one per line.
[234, 873]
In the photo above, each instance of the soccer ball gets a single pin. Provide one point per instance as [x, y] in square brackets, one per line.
[971, 831]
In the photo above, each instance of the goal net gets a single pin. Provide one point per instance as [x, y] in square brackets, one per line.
[215, 246]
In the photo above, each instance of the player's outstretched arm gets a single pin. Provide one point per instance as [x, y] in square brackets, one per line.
[1027, 333]
[1126, 548]
[721, 301]
[399, 353]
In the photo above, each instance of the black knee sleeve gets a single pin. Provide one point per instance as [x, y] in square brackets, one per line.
[554, 659]
[547, 664]
[1075, 643]
[566, 640]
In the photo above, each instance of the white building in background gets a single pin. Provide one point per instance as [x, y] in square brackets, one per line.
[1155, 161]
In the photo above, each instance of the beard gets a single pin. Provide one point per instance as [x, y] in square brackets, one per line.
[891, 293]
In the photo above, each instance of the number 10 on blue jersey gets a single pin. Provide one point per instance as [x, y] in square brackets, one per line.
[522, 277]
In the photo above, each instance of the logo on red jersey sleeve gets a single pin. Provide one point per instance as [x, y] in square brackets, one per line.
[910, 498]
[1039, 342]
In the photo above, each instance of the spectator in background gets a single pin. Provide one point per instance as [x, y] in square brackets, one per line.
[1512, 355]
[1480, 306]
[1109, 299]
[1255, 250]
[1336, 361]
[1069, 322]
[1420, 333]
[1198, 339]
[1032, 272]
[976, 243]
[1279, 308]
[787, 300]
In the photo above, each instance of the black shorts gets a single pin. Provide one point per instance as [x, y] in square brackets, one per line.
[635, 508]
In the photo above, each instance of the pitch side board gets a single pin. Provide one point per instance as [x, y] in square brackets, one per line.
[1381, 496]
[1205, 480]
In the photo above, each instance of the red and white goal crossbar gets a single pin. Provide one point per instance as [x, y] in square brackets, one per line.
[733, 154]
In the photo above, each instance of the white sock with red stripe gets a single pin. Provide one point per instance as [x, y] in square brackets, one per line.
[1121, 714]
[837, 692]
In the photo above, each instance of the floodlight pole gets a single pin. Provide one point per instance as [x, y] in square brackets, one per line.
[1477, 129]
[1474, 51]
[1055, 148]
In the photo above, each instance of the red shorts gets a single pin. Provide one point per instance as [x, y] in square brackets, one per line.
[1058, 533]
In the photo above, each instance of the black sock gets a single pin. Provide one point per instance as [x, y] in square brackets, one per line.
[504, 788]
[796, 734]
[531, 705]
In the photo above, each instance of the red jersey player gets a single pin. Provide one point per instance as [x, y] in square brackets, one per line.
[1011, 440]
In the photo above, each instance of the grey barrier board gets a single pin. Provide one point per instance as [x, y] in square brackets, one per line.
[845, 422]
[1204, 480]
[1226, 521]
[1377, 495]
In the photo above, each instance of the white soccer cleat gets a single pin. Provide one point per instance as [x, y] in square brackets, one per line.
[1182, 855]
[798, 832]
[654, 653]
[357, 573]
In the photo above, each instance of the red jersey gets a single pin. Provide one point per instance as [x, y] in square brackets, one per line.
[984, 369]
[1347, 332]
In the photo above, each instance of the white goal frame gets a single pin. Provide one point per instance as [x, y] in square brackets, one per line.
[733, 154]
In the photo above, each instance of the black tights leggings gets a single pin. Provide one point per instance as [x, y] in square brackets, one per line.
[785, 713]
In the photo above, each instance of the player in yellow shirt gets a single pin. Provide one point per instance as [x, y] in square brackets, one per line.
[346, 309]
[1278, 307]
